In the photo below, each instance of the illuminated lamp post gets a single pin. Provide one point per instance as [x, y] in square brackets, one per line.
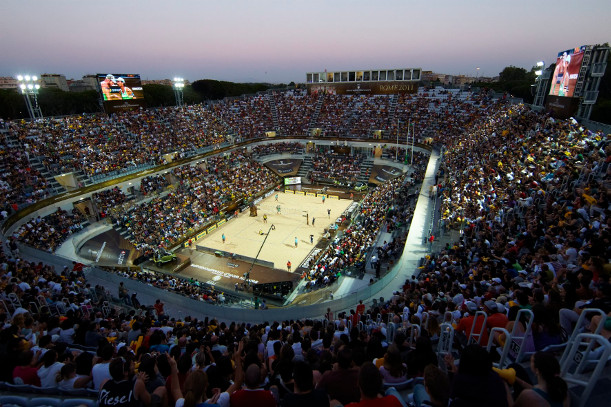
[29, 88]
[179, 85]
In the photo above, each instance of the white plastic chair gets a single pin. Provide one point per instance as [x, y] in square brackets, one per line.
[580, 358]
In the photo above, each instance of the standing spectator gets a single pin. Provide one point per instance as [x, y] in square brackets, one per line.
[123, 293]
[159, 309]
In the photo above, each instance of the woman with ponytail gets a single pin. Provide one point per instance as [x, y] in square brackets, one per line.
[551, 390]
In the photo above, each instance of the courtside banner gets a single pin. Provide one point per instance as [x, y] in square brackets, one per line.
[299, 193]
[200, 235]
[186, 244]
[333, 197]
[221, 222]
[210, 229]
[310, 194]
[289, 191]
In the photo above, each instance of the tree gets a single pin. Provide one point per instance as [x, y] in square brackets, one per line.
[512, 73]
[158, 95]
[12, 104]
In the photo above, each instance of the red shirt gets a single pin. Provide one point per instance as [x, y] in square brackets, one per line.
[465, 324]
[497, 320]
[251, 398]
[360, 309]
[28, 374]
[388, 401]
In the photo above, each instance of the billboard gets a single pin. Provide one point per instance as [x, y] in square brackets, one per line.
[121, 91]
[567, 72]
[292, 180]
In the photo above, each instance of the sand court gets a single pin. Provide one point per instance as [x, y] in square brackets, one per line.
[245, 234]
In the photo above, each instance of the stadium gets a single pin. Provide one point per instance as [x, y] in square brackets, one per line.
[363, 210]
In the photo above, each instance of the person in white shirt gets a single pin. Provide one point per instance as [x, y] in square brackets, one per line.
[50, 369]
[100, 371]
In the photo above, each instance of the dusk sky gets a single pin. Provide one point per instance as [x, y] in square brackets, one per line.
[280, 40]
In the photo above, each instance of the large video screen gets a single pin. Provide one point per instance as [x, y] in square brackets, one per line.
[120, 86]
[567, 72]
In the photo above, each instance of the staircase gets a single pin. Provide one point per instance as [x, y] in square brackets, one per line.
[314, 119]
[304, 169]
[366, 167]
[272, 105]
[82, 179]
[585, 64]
[54, 187]
[122, 230]
[392, 114]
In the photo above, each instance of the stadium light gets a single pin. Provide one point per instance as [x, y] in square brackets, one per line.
[30, 88]
[540, 86]
[179, 84]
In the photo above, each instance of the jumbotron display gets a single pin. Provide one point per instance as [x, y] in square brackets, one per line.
[566, 73]
[119, 90]
[120, 86]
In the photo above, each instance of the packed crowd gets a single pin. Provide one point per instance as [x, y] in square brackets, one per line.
[99, 145]
[530, 195]
[295, 111]
[153, 184]
[386, 206]
[371, 114]
[337, 113]
[437, 118]
[191, 288]
[336, 167]
[19, 182]
[108, 199]
[201, 193]
[248, 117]
[261, 150]
[50, 232]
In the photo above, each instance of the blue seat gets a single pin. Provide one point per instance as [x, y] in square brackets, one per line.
[79, 402]
[7, 401]
[44, 402]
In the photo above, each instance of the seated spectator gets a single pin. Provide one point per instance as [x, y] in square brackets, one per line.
[393, 370]
[475, 383]
[26, 371]
[370, 387]
[50, 369]
[550, 390]
[305, 394]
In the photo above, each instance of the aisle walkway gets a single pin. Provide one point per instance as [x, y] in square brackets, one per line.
[415, 248]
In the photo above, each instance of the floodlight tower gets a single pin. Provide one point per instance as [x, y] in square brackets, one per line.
[179, 85]
[541, 84]
[29, 88]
